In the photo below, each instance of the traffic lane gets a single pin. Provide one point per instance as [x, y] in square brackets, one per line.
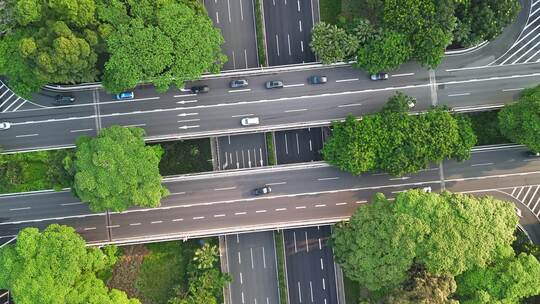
[26, 207]
[492, 162]
[494, 92]
[49, 133]
[299, 145]
[285, 24]
[310, 265]
[238, 216]
[90, 227]
[203, 121]
[459, 74]
[236, 21]
[242, 151]
[252, 264]
[46, 98]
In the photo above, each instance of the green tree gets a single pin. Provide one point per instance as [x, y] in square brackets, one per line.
[424, 288]
[445, 233]
[507, 280]
[55, 266]
[396, 142]
[520, 122]
[480, 20]
[354, 145]
[158, 43]
[116, 170]
[206, 256]
[387, 52]
[332, 44]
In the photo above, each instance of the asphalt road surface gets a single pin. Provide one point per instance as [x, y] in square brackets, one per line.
[242, 151]
[252, 264]
[301, 145]
[183, 115]
[236, 20]
[288, 26]
[310, 266]
[221, 202]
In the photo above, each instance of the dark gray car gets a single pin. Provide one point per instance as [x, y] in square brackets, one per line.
[317, 79]
[62, 100]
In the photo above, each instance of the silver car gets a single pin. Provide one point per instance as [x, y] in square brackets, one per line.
[5, 125]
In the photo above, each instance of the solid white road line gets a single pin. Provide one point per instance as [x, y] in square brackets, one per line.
[186, 101]
[240, 90]
[26, 135]
[327, 178]
[242, 115]
[401, 75]
[80, 130]
[515, 89]
[156, 222]
[89, 228]
[281, 209]
[188, 120]
[240, 213]
[296, 110]
[349, 105]
[482, 164]
[71, 204]
[178, 220]
[198, 217]
[260, 211]
[347, 80]
[219, 215]
[293, 85]
[184, 95]
[300, 207]
[223, 189]
[341, 204]
[320, 205]
[135, 224]
[113, 226]
[277, 183]
[459, 94]
[22, 208]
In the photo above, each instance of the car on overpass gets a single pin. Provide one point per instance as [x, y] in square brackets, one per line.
[249, 121]
[125, 96]
[317, 79]
[238, 83]
[262, 190]
[5, 125]
[274, 84]
[379, 76]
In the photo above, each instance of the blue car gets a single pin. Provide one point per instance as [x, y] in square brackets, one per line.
[125, 95]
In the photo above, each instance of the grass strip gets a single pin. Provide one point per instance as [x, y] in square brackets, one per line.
[330, 9]
[280, 255]
[270, 149]
[259, 28]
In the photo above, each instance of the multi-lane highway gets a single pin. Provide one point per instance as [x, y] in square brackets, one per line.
[215, 203]
[182, 114]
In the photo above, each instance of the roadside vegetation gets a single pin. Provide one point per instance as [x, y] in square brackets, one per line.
[185, 156]
[55, 266]
[280, 257]
[270, 150]
[383, 34]
[161, 273]
[398, 143]
[116, 170]
[520, 122]
[119, 42]
[436, 248]
[20, 172]
[486, 127]
[259, 32]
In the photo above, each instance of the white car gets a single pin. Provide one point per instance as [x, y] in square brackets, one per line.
[5, 125]
[249, 121]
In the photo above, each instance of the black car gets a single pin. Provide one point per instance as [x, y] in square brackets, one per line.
[379, 76]
[61, 100]
[317, 79]
[200, 89]
[533, 154]
[262, 190]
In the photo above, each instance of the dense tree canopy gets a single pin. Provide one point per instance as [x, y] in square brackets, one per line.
[520, 122]
[396, 142]
[54, 266]
[507, 280]
[386, 52]
[116, 170]
[332, 44]
[446, 233]
[60, 41]
[162, 43]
